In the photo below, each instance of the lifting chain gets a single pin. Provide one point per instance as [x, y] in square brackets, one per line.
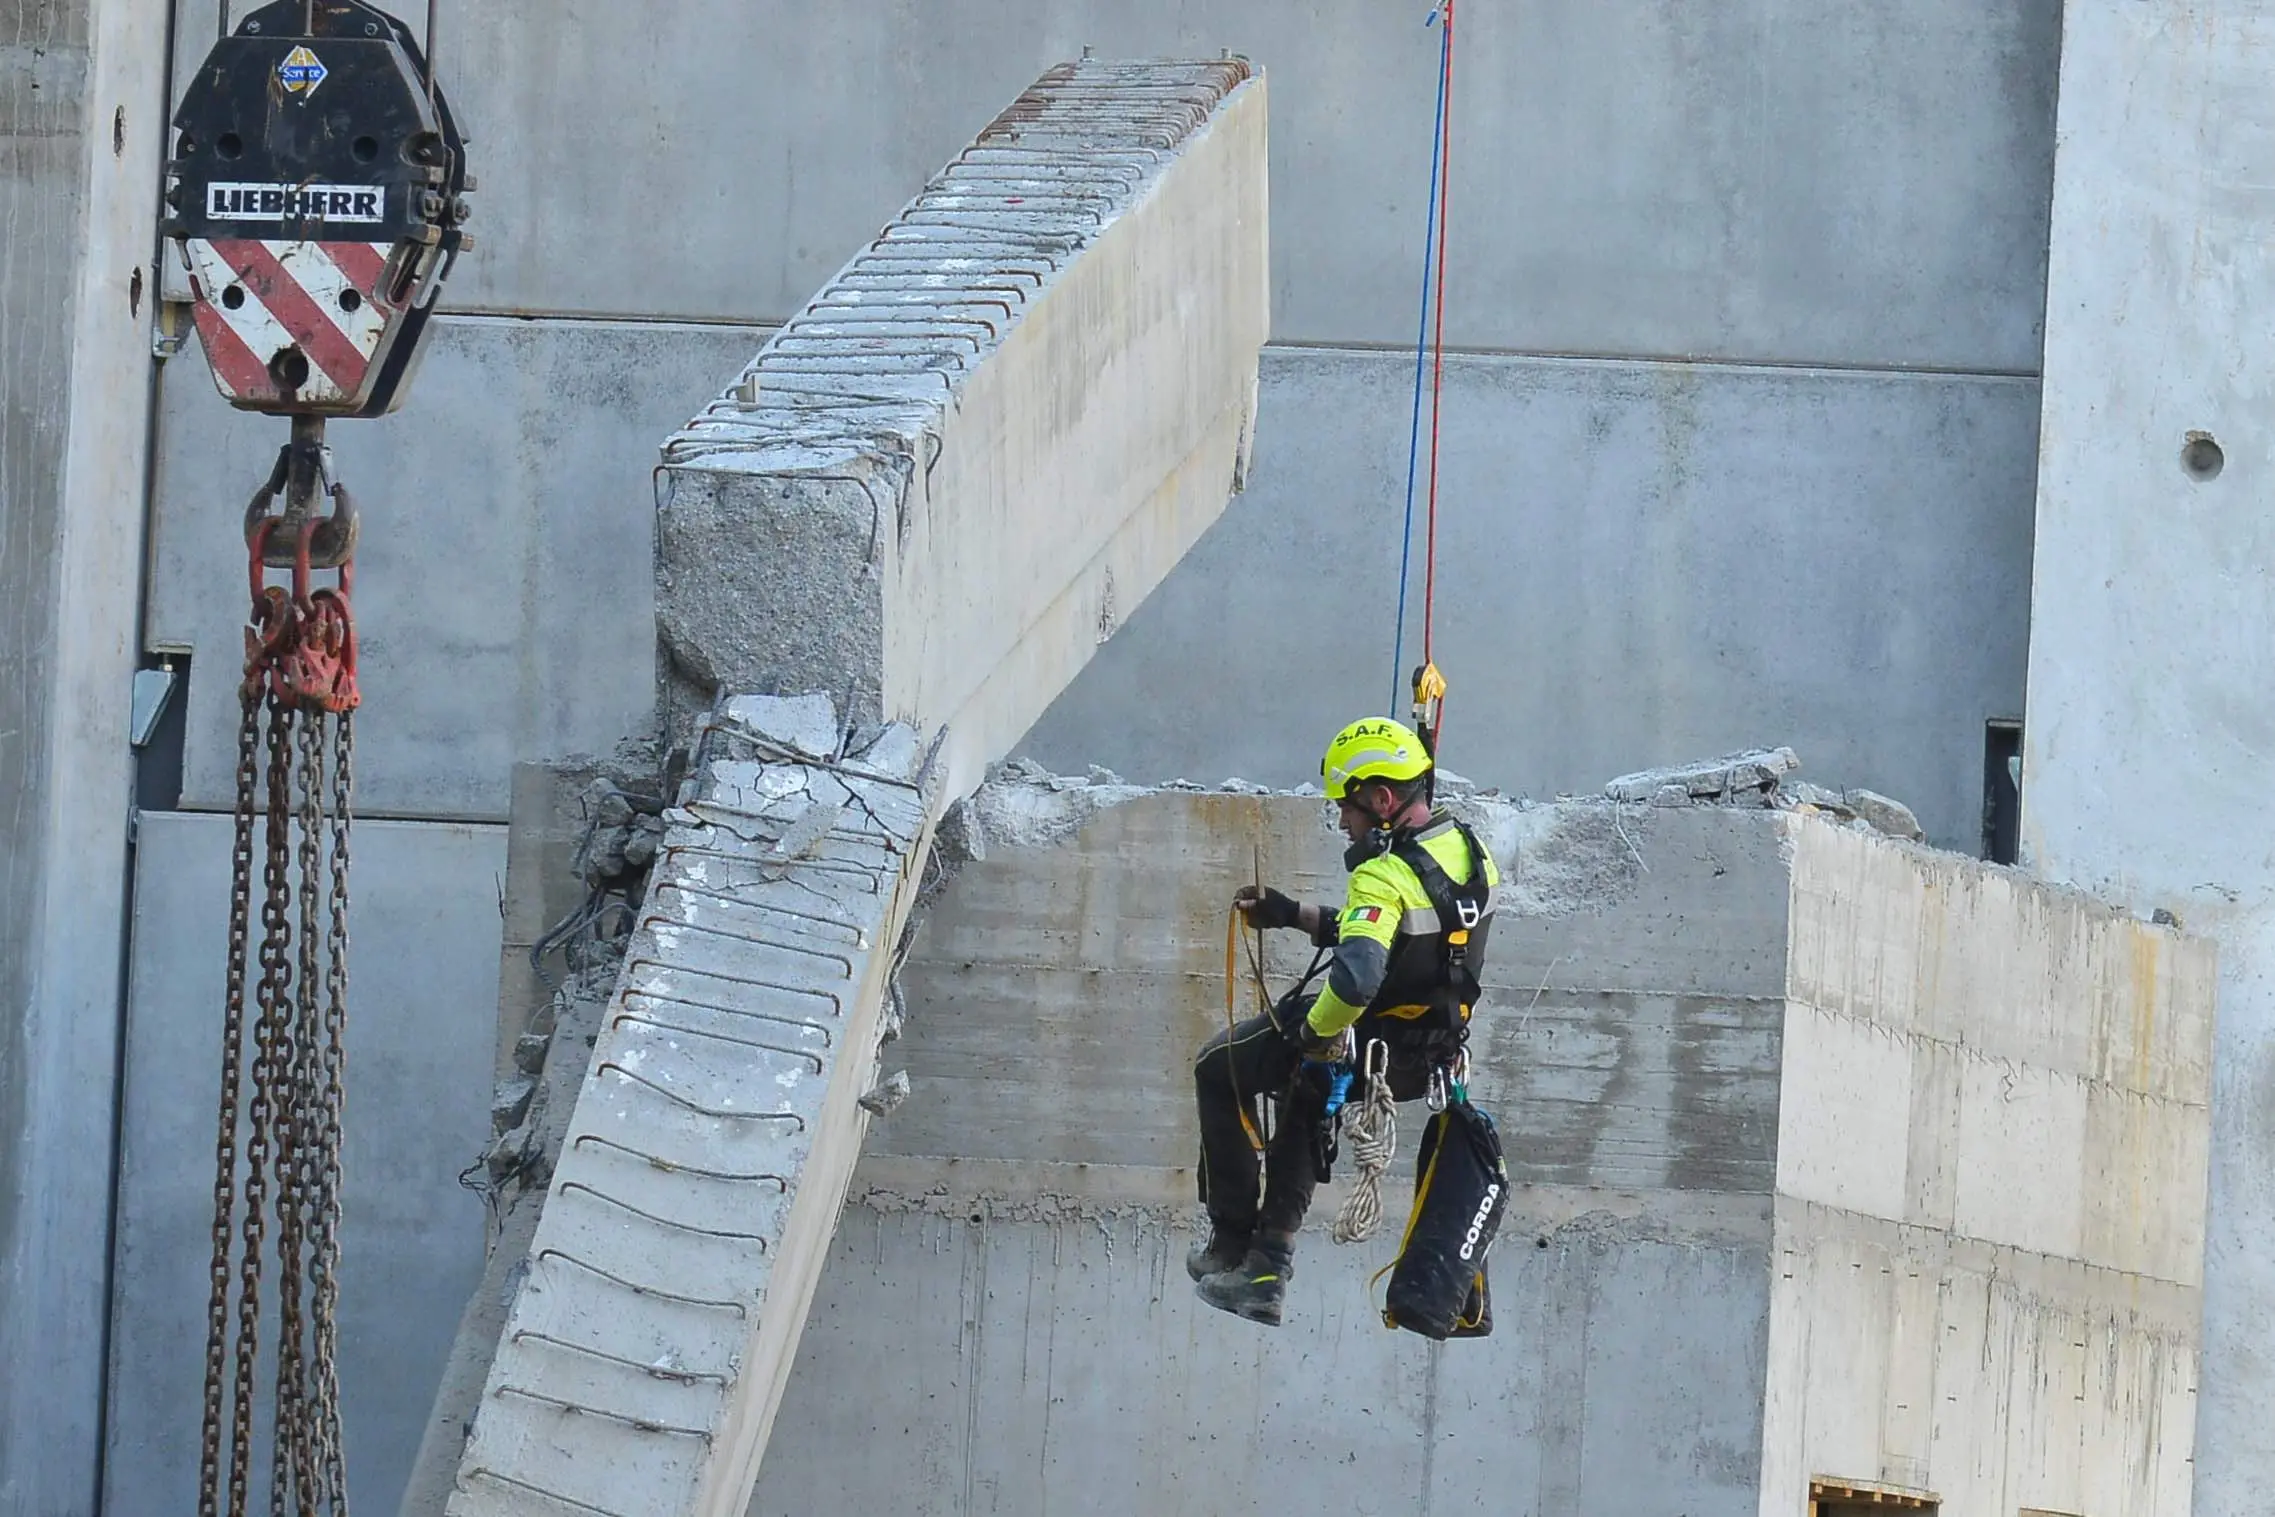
[295, 777]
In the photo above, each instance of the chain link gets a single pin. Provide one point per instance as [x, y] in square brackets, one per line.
[327, 1243]
[291, 1118]
[232, 1081]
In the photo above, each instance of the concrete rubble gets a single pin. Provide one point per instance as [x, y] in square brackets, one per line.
[1762, 777]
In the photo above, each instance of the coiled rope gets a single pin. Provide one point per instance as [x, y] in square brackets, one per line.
[1373, 1131]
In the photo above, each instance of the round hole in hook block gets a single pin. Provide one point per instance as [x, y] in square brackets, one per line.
[366, 149]
[351, 300]
[2201, 458]
[289, 369]
[229, 145]
[234, 297]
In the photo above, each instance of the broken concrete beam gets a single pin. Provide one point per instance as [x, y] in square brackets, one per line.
[700, 1177]
[948, 479]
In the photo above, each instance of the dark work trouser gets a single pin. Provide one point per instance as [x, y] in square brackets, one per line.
[1253, 1060]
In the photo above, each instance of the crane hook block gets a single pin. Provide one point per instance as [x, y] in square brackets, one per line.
[317, 195]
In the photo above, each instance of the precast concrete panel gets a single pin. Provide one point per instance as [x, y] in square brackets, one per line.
[1853, 182]
[2150, 730]
[1638, 563]
[504, 598]
[423, 975]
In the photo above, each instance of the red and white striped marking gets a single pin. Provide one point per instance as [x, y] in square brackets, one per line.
[294, 296]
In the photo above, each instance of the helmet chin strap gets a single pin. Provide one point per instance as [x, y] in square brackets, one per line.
[1377, 841]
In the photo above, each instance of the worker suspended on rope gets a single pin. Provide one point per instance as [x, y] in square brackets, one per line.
[1407, 945]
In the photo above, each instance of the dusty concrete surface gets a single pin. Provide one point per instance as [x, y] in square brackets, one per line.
[1713, 1290]
[2146, 753]
[990, 436]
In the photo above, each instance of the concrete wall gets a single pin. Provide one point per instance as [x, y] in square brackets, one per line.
[1968, 1110]
[2149, 661]
[80, 90]
[1639, 563]
[423, 985]
[1990, 1174]
[1856, 189]
[1015, 1245]
[503, 590]
[1848, 183]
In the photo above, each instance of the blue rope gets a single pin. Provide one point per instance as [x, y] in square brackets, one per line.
[1421, 352]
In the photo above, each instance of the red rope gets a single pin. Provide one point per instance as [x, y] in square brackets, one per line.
[1438, 357]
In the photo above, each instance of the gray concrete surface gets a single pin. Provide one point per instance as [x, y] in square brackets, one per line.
[1841, 183]
[2149, 729]
[80, 86]
[944, 483]
[503, 590]
[1638, 564]
[1992, 1128]
[1015, 1244]
[423, 979]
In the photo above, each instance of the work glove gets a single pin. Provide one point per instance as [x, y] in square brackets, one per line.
[1265, 908]
[1319, 1048]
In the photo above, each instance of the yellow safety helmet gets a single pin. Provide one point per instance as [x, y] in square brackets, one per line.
[1374, 748]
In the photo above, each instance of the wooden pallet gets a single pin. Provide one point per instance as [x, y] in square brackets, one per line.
[1854, 1493]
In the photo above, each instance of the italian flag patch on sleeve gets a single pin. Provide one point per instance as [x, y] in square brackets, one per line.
[1358, 914]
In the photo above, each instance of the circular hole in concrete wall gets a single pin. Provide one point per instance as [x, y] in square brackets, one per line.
[2201, 458]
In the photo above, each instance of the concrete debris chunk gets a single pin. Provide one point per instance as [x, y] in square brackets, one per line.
[881, 1099]
[1740, 779]
[895, 752]
[805, 834]
[805, 725]
[1889, 816]
[1817, 797]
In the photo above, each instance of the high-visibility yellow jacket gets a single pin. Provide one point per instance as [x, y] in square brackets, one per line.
[1390, 947]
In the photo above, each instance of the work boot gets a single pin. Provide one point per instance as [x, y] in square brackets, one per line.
[1225, 1248]
[1255, 1289]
